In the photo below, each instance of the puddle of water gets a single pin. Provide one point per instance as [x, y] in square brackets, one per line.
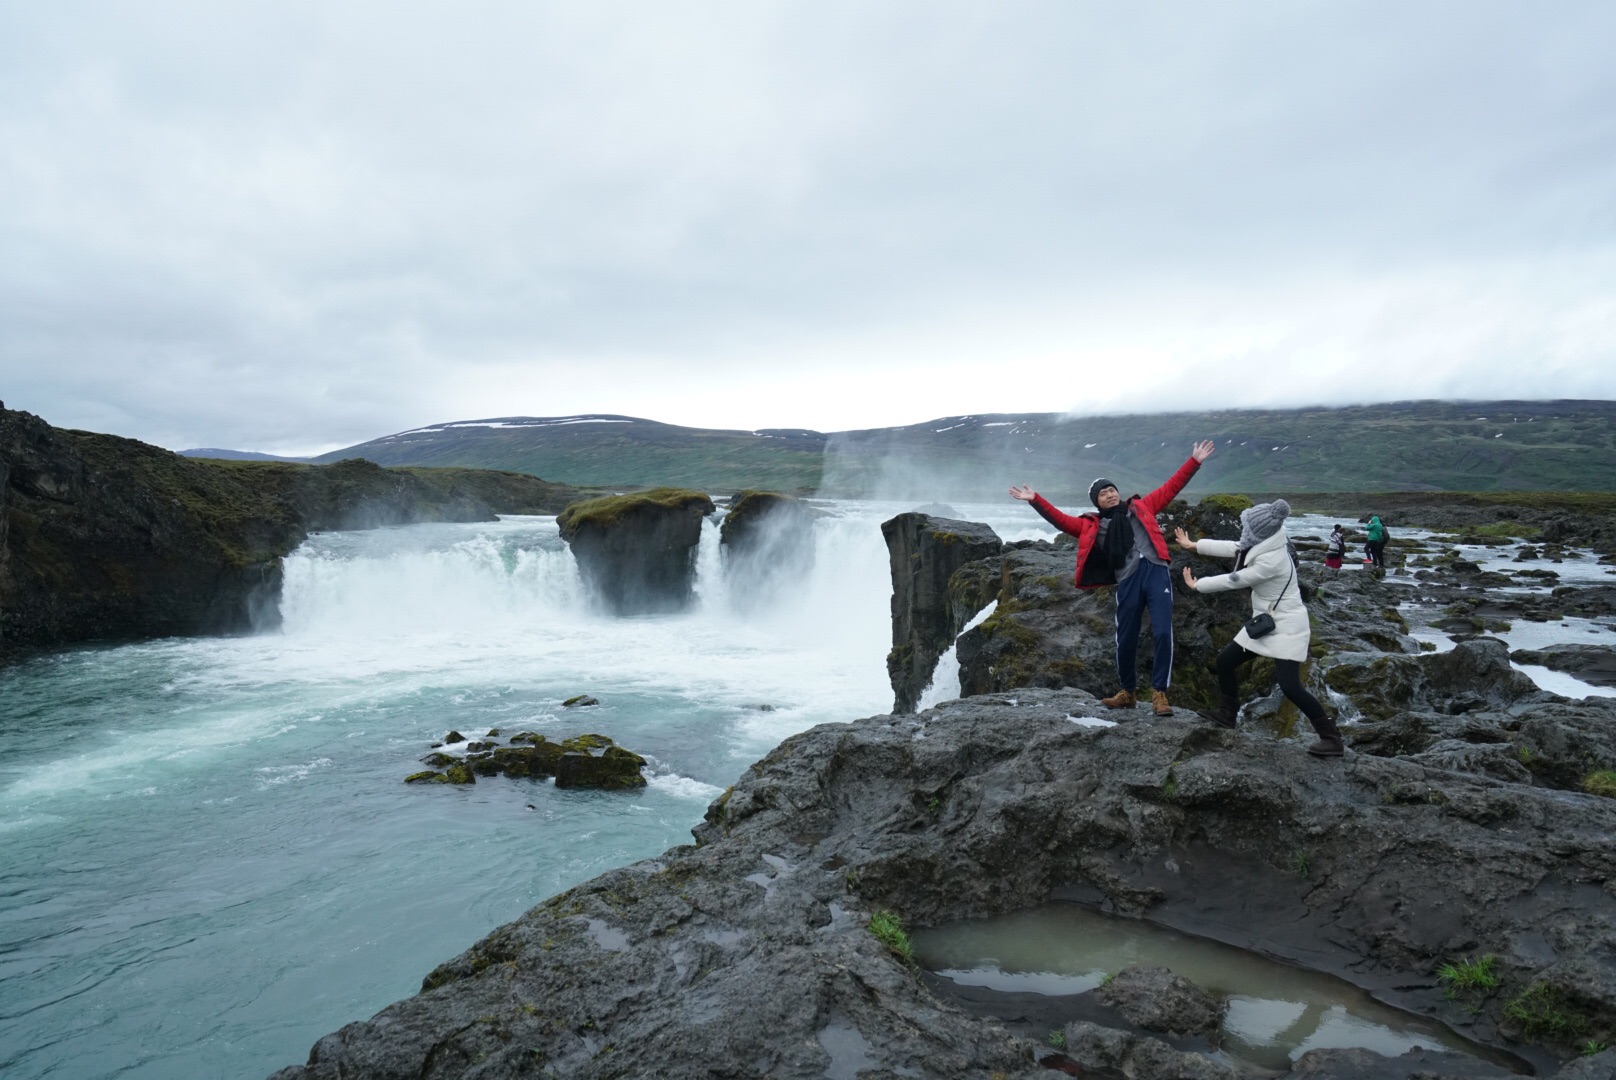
[1276, 1013]
[1523, 634]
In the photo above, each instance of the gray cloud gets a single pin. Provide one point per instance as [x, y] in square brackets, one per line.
[301, 226]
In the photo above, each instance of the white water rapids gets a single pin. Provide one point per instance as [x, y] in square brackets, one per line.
[210, 858]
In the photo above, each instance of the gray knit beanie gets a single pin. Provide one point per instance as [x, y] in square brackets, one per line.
[1098, 486]
[1262, 521]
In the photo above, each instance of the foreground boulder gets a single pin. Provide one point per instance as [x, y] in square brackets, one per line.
[925, 552]
[749, 954]
[637, 552]
[1155, 999]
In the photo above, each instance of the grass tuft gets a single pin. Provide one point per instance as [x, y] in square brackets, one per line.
[888, 930]
[1602, 782]
[1543, 1012]
[1469, 976]
[1057, 1039]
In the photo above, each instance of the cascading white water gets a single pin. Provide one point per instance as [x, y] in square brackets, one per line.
[211, 856]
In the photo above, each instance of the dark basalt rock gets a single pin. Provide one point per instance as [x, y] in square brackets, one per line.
[583, 761]
[1421, 1064]
[1473, 676]
[637, 552]
[580, 701]
[749, 954]
[1097, 1051]
[925, 552]
[1155, 999]
[755, 517]
[611, 769]
[767, 541]
[1595, 664]
[108, 538]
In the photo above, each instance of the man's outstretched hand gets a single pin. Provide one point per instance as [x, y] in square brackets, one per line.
[1022, 492]
[1203, 450]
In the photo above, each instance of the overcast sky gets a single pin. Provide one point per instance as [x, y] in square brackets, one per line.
[294, 226]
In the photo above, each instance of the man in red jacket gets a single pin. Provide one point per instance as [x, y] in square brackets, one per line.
[1122, 545]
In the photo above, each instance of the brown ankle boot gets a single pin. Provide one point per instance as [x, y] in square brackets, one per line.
[1158, 704]
[1330, 743]
[1122, 699]
[1225, 714]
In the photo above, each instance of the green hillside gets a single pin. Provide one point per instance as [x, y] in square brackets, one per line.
[1407, 446]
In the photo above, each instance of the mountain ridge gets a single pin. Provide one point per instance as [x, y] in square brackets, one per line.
[1559, 445]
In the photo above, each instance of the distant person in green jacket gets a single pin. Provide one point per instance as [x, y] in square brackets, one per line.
[1376, 546]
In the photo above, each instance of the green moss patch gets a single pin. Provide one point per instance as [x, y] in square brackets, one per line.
[608, 511]
[1228, 504]
[1602, 782]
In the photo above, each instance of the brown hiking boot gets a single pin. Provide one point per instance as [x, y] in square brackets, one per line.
[1122, 699]
[1328, 746]
[1158, 704]
[1225, 714]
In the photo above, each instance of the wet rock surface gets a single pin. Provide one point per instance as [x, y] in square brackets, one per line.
[749, 954]
[925, 552]
[1155, 999]
[1595, 664]
[637, 552]
[582, 761]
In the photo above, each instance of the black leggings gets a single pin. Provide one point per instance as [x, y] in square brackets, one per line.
[1377, 552]
[1289, 673]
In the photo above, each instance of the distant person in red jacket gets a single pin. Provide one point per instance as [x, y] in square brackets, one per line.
[1122, 545]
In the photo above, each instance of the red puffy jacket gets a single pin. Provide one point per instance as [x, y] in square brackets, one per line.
[1087, 526]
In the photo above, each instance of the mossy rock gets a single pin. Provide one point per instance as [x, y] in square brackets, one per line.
[1381, 688]
[459, 774]
[609, 511]
[428, 777]
[580, 701]
[439, 760]
[534, 762]
[1226, 504]
[748, 510]
[1602, 782]
[586, 742]
[613, 769]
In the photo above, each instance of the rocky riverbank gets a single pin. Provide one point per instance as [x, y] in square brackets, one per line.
[109, 538]
[1471, 828]
[751, 954]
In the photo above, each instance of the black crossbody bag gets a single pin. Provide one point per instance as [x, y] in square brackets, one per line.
[1262, 623]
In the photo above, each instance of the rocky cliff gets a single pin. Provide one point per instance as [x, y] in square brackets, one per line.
[751, 953]
[637, 552]
[109, 538]
[925, 552]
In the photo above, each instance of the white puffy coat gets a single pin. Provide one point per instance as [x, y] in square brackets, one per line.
[1269, 575]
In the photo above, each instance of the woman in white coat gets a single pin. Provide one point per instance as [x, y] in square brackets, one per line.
[1264, 565]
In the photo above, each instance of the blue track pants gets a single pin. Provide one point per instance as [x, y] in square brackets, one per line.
[1149, 585]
